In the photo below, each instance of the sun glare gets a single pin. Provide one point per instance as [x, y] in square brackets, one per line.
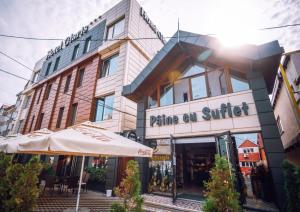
[233, 23]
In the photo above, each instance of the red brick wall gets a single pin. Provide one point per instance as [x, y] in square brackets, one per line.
[84, 96]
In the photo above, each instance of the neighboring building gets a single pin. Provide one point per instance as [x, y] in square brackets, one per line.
[196, 96]
[286, 104]
[249, 156]
[7, 117]
[82, 78]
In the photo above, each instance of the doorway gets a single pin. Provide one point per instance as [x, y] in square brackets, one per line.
[193, 163]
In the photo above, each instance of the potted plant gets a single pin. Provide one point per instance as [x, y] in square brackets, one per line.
[97, 178]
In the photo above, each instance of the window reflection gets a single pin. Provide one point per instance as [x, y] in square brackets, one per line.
[166, 95]
[238, 82]
[152, 100]
[198, 85]
[181, 91]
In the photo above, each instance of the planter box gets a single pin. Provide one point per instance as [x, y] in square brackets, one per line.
[96, 186]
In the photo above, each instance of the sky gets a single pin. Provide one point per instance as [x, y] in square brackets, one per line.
[234, 22]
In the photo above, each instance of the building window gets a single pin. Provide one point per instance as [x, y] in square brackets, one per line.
[73, 114]
[198, 85]
[238, 82]
[166, 94]
[152, 100]
[104, 108]
[59, 118]
[56, 63]
[87, 45]
[75, 52]
[67, 85]
[48, 91]
[35, 76]
[48, 68]
[26, 102]
[31, 124]
[110, 66]
[40, 93]
[115, 29]
[279, 125]
[181, 91]
[20, 126]
[193, 70]
[39, 124]
[80, 78]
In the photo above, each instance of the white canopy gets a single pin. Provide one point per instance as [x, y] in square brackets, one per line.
[10, 144]
[86, 139]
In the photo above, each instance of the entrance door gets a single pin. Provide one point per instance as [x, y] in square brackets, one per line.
[226, 146]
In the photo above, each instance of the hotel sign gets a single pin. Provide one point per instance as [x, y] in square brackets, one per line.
[207, 114]
[152, 26]
[67, 41]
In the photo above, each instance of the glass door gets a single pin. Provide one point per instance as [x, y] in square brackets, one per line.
[173, 160]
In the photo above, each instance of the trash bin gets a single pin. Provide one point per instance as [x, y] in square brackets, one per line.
[108, 193]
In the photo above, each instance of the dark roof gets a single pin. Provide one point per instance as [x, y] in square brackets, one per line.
[269, 53]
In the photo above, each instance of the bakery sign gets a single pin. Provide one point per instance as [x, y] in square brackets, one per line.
[68, 41]
[225, 110]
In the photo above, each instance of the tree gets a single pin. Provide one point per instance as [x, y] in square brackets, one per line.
[130, 190]
[291, 185]
[23, 183]
[5, 162]
[221, 193]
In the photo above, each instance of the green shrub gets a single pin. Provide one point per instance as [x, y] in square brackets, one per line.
[130, 188]
[117, 207]
[5, 163]
[292, 185]
[97, 174]
[221, 193]
[23, 183]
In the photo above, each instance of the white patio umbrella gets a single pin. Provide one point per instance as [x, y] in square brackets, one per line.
[86, 139]
[11, 143]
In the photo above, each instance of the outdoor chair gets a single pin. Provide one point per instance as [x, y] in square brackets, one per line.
[71, 184]
[50, 183]
[85, 179]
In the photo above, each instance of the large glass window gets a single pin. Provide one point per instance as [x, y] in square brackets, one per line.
[56, 63]
[152, 100]
[104, 108]
[110, 66]
[198, 85]
[115, 29]
[181, 91]
[80, 78]
[48, 69]
[75, 52]
[193, 70]
[73, 114]
[87, 45]
[238, 82]
[166, 94]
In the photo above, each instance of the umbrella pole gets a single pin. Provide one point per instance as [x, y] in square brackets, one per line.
[79, 186]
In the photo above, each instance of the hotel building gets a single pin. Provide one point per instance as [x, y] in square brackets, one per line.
[81, 79]
[195, 99]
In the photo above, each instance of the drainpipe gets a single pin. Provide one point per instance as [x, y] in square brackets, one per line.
[288, 86]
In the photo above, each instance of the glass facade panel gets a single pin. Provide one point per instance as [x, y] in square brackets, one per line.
[104, 108]
[115, 29]
[152, 100]
[181, 91]
[166, 95]
[193, 70]
[198, 85]
[238, 82]
[110, 66]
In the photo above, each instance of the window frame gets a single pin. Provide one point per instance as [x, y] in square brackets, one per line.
[113, 24]
[73, 115]
[48, 69]
[59, 117]
[104, 107]
[67, 83]
[87, 45]
[48, 91]
[75, 52]
[279, 125]
[40, 121]
[106, 73]
[31, 124]
[57, 60]
[79, 82]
